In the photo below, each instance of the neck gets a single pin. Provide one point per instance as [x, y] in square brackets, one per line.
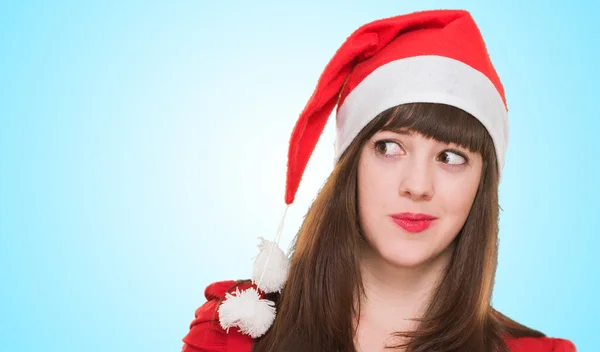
[395, 295]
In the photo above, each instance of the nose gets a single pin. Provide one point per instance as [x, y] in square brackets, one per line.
[416, 180]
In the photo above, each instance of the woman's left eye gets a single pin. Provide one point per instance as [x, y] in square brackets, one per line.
[452, 158]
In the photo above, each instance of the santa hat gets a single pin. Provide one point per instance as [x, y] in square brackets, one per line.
[434, 56]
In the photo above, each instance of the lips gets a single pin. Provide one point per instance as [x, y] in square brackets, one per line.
[412, 222]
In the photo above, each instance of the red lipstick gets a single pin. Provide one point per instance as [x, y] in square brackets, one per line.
[412, 222]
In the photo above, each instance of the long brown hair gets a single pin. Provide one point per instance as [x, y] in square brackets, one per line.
[316, 308]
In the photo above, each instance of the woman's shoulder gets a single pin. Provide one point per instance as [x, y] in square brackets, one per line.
[540, 344]
[206, 333]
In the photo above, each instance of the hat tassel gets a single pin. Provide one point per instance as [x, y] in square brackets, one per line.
[247, 310]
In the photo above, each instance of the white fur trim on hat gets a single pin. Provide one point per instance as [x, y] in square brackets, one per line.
[424, 79]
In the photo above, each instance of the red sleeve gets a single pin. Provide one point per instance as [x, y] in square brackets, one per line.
[540, 344]
[206, 334]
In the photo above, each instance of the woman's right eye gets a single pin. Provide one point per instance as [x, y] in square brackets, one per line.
[387, 148]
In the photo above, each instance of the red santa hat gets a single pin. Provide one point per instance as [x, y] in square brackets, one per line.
[434, 56]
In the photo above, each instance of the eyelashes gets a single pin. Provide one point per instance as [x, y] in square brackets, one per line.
[383, 148]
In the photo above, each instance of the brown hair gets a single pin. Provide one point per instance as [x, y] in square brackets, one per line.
[316, 308]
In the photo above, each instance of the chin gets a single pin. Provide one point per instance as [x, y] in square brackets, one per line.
[403, 255]
[404, 261]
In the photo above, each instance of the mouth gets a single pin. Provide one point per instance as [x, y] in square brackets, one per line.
[413, 222]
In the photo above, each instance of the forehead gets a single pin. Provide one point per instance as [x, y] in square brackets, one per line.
[446, 131]
[412, 134]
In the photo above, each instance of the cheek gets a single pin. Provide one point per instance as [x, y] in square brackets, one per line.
[374, 188]
[458, 201]
[376, 196]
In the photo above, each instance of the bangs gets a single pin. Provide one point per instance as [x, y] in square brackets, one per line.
[444, 123]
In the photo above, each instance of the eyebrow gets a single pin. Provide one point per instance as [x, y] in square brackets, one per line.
[403, 131]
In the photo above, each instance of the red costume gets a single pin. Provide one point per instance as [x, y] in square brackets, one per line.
[206, 335]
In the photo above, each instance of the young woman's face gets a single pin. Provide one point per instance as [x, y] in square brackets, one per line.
[407, 173]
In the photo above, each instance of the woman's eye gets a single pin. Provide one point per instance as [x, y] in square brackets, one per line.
[387, 148]
[452, 158]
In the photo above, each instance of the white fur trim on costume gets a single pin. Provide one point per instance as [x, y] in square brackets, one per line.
[426, 79]
[270, 267]
[246, 310]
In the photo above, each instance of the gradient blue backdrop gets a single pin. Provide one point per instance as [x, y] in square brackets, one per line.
[143, 151]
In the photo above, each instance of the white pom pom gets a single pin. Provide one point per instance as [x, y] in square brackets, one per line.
[270, 267]
[246, 310]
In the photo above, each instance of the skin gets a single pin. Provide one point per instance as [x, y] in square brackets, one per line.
[406, 172]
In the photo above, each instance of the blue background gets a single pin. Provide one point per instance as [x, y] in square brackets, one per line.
[143, 150]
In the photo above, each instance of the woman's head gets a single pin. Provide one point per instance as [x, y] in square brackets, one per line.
[423, 159]
[351, 214]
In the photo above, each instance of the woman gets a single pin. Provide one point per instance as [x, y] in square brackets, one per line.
[399, 249]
